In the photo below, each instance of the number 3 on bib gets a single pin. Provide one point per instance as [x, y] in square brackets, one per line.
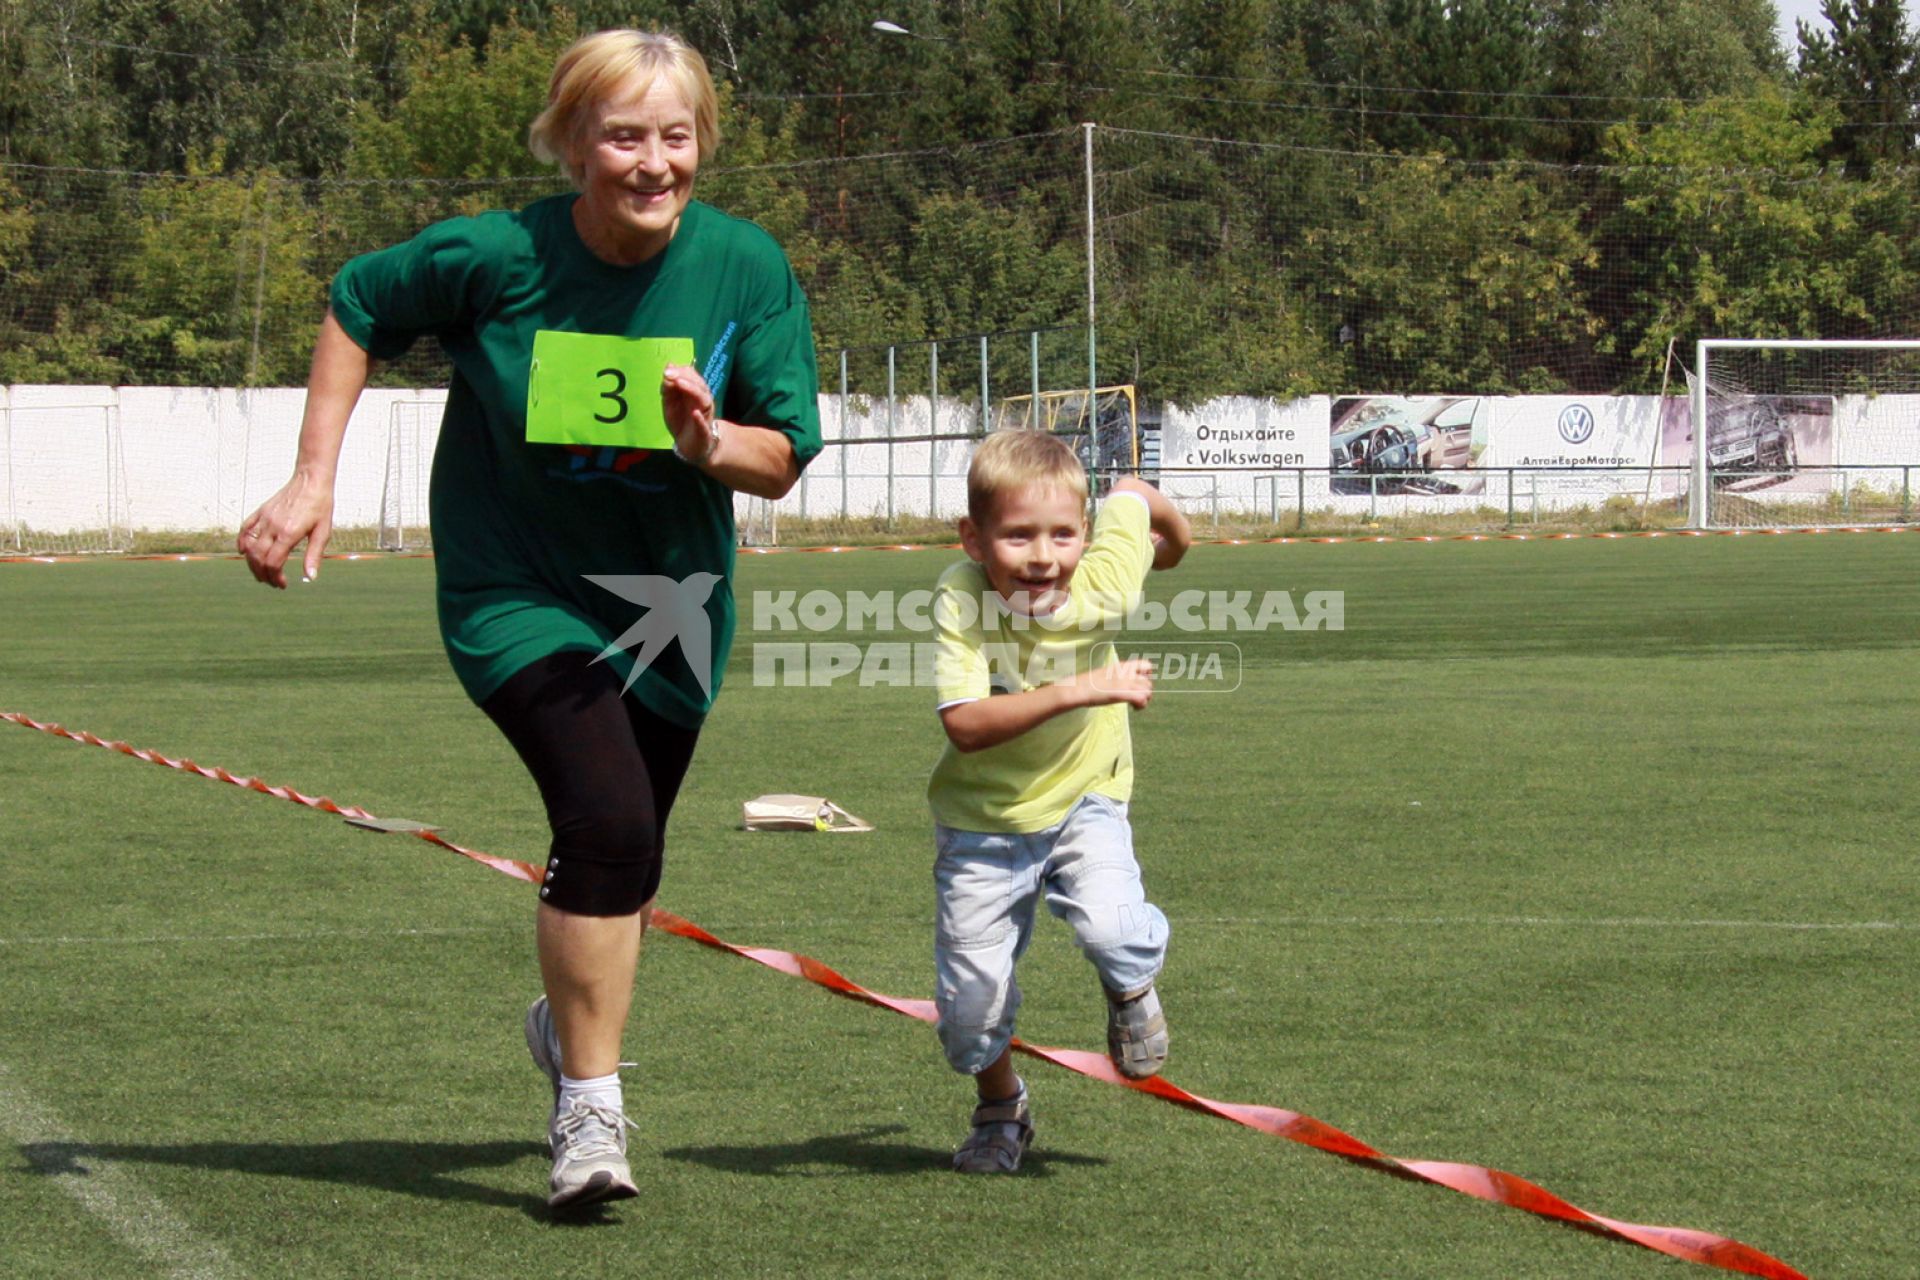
[592, 388]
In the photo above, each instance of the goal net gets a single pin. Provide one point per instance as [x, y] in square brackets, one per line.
[63, 472]
[413, 429]
[1102, 424]
[1803, 434]
[756, 521]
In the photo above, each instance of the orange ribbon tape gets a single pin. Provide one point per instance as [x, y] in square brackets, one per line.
[1469, 1179]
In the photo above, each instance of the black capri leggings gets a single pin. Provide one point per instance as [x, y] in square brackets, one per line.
[608, 770]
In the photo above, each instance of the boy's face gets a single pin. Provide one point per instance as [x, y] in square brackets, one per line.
[1029, 544]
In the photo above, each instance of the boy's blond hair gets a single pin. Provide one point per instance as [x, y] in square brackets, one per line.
[1011, 460]
[596, 66]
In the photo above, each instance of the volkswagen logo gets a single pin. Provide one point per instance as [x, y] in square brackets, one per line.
[1576, 423]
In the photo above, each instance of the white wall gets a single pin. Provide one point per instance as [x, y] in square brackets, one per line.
[170, 458]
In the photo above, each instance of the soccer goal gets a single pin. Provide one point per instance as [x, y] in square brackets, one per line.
[63, 472]
[1102, 424]
[756, 521]
[1803, 433]
[413, 429]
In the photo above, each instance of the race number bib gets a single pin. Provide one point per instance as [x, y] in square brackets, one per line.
[592, 388]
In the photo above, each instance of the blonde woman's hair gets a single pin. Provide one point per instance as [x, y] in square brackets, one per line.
[1007, 461]
[596, 66]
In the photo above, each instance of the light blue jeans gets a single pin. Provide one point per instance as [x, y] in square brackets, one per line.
[987, 885]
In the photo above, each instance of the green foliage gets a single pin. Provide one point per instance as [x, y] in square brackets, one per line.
[1869, 67]
[1741, 230]
[16, 226]
[214, 265]
[461, 115]
[1472, 194]
[1461, 281]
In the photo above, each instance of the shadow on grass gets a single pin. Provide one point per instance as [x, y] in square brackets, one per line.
[424, 1169]
[859, 1152]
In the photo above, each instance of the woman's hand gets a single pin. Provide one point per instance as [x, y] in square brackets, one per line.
[688, 403]
[302, 509]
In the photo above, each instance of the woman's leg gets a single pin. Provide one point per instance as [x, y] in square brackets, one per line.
[608, 771]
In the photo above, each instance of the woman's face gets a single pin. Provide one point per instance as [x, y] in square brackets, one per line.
[636, 158]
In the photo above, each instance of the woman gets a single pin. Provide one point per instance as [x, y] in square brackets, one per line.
[624, 359]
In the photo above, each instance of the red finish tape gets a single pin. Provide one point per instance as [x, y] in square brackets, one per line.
[1479, 1181]
[506, 866]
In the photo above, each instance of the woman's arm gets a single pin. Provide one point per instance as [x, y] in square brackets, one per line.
[303, 508]
[750, 459]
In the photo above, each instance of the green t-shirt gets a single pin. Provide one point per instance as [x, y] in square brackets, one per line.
[1031, 782]
[517, 526]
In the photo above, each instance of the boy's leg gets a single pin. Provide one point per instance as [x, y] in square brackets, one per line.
[999, 1081]
[1093, 883]
[984, 898]
[985, 894]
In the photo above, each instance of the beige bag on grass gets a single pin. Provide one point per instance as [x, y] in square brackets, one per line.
[798, 813]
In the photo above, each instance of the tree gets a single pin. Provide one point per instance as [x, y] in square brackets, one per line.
[1735, 228]
[218, 291]
[1869, 68]
[1457, 279]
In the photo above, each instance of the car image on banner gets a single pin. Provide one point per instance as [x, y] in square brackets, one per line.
[1405, 444]
[1756, 444]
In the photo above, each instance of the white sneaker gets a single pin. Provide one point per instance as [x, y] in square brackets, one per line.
[589, 1145]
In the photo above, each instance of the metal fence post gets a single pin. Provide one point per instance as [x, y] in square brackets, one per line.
[986, 422]
[933, 428]
[892, 402]
[1033, 360]
[846, 446]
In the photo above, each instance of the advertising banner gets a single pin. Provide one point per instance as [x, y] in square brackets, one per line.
[1576, 431]
[1406, 444]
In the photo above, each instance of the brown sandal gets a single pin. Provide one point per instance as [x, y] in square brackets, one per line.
[1002, 1132]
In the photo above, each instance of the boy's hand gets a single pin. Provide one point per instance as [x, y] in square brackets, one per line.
[1130, 682]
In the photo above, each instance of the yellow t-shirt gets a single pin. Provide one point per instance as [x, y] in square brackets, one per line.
[1029, 783]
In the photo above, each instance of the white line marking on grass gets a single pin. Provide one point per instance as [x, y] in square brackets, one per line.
[108, 1192]
[154, 939]
[1570, 922]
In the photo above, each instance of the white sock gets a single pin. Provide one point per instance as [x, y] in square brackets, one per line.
[601, 1091]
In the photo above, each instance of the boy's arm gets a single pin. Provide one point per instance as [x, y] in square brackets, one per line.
[988, 722]
[1171, 533]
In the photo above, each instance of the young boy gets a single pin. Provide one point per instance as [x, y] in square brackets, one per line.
[1030, 796]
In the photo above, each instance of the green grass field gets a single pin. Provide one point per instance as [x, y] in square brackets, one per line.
[1590, 861]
